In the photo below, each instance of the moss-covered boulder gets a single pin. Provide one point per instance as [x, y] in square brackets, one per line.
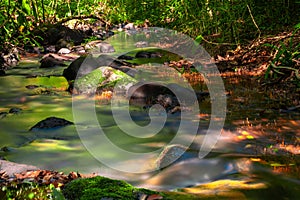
[98, 188]
[102, 78]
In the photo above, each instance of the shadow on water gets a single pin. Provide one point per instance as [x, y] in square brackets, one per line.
[257, 140]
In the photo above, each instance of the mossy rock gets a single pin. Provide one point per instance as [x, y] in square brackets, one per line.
[103, 77]
[97, 188]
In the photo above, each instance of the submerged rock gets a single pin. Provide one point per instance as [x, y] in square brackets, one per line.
[125, 57]
[170, 155]
[191, 172]
[147, 54]
[15, 110]
[170, 96]
[51, 122]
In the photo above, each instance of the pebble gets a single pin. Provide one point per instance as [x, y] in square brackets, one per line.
[64, 51]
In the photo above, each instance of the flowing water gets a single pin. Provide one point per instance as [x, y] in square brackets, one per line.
[251, 127]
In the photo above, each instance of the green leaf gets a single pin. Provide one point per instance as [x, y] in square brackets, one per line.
[297, 26]
[57, 195]
[199, 39]
[31, 195]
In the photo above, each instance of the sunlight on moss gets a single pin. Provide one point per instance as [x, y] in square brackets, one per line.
[51, 144]
[52, 81]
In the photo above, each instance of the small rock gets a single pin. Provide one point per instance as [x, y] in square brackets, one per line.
[129, 26]
[64, 51]
[105, 47]
[9, 60]
[125, 57]
[30, 87]
[3, 114]
[146, 54]
[49, 62]
[142, 44]
[169, 155]
[78, 49]
[51, 122]
[15, 110]
[50, 49]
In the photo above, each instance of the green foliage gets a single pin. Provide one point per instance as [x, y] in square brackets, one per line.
[101, 187]
[229, 20]
[30, 190]
[285, 62]
[218, 21]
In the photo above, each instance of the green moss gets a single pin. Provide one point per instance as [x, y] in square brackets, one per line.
[90, 80]
[100, 187]
[96, 79]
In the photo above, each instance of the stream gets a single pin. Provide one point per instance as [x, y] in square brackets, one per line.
[256, 138]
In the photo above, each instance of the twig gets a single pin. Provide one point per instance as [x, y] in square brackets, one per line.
[84, 17]
[254, 20]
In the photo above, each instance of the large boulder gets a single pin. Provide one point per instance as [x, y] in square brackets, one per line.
[104, 77]
[170, 96]
[86, 64]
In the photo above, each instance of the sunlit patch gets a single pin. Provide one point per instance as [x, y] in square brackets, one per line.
[225, 188]
[104, 95]
[256, 159]
[47, 144]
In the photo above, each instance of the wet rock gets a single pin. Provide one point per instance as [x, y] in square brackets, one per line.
[49, 62]
[190, 172]
[64, 51]
[99, 46]
[11, 168]
[86, 64]
[141, 44]
[103, 77]
[106, 48]
[9, 59]
[147, 54]
[78, 49]
[147, 90]
[15, 110]
[129, 26]
[50, 122]
[3, 114]
[50, 49]
[125, 57]
[169, 155]
[31, 87]
[171, 96]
